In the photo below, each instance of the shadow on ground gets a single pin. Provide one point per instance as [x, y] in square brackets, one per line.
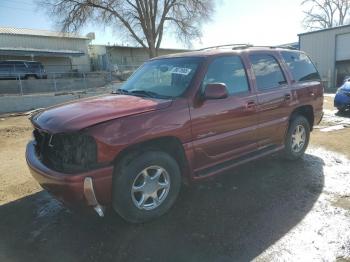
[345, 113]
[233, 217]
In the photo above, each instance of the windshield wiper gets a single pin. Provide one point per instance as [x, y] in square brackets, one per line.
[120, 91]
[149, 94]
[142, 93]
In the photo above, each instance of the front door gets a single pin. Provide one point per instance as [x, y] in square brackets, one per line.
[224, 129]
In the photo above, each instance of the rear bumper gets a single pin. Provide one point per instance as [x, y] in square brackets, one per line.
[69, 188]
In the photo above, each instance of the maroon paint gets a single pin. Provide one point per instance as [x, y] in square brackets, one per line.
[211, 131]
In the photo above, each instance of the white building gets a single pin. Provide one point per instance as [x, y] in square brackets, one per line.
[59, 52]
[330, 50]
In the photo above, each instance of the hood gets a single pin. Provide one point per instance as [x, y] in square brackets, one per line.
[345, 87]
[75, 116]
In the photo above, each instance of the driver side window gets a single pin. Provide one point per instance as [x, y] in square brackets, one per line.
[230, 71]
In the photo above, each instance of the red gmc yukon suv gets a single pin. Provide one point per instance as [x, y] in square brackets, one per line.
[178, 118]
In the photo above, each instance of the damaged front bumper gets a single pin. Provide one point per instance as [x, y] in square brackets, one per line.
[91, 188]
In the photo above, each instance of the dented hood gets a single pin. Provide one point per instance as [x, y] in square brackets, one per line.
[84, 113]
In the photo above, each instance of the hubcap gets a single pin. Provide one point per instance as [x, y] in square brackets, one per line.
[298, 138]
[150, 187]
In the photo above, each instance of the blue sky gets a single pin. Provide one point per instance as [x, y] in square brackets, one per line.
[259, 22]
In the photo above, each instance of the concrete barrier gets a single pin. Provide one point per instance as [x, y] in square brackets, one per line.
[17, 103]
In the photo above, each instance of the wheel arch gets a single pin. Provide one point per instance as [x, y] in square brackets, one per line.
[306, 111]
[168, 144]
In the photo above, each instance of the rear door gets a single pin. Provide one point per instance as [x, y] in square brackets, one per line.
[224, 129]
[274, 98]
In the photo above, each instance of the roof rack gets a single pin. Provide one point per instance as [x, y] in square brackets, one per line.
[287, 47]
[244, 46]
[233, 46]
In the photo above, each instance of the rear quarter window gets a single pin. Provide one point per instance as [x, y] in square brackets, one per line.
[300, 66]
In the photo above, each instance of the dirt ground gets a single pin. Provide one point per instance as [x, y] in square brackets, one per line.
[267, 210]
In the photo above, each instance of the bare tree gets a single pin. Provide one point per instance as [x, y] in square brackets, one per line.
[326, 13]
[145, 21]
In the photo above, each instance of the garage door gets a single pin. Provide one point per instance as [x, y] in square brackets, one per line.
[343, 47]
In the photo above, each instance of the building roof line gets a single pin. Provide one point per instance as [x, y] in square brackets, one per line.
[325, 29]
[139, 47]
[38, 32]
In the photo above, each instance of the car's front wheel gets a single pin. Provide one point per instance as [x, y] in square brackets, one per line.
[297, 138]
[145, 186]
[341, 110]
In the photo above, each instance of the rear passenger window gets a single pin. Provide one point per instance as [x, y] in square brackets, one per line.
[267, 71]
[301, 67]
[230, 71]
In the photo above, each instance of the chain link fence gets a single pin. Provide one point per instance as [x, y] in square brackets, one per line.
[20, 82]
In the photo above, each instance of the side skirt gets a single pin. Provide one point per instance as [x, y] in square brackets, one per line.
[219, 168]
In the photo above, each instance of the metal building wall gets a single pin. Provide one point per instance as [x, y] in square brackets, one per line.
[131, 56]
[321, 46]
[81, 63]
[43, 42]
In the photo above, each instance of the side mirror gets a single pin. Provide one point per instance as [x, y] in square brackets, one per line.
[215, 91]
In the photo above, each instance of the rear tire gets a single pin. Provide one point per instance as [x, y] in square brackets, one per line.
[145, 186]
[297, 138]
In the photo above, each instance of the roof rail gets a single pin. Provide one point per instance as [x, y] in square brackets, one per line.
[244, 46]
[288, 47]
[278, 46]
[234, 46]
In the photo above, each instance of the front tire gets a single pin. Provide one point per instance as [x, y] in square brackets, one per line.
[297, 138]
[145, 186]
[341, 110]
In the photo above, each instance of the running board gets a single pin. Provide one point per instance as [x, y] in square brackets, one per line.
[237, 161]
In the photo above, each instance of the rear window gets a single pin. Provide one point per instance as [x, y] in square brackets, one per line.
[301, 67]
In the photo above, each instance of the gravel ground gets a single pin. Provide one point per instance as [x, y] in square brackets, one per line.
[266, 210]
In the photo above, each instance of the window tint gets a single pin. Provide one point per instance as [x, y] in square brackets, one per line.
[267, 71]
[300, 66]
[230, 71]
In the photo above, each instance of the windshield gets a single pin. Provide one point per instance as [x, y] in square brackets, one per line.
[163, 78]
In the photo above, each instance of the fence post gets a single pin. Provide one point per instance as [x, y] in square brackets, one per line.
[20, 85]
[54, 82]
[84, 81]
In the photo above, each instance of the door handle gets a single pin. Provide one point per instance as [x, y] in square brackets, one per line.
[250, 106]
[287, 97]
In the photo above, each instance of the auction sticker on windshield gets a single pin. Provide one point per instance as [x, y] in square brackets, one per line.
[181, 70]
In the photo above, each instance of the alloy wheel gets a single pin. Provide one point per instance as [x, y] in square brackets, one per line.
[150, 188]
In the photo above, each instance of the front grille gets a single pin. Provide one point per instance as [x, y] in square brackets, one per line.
[68, 153]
